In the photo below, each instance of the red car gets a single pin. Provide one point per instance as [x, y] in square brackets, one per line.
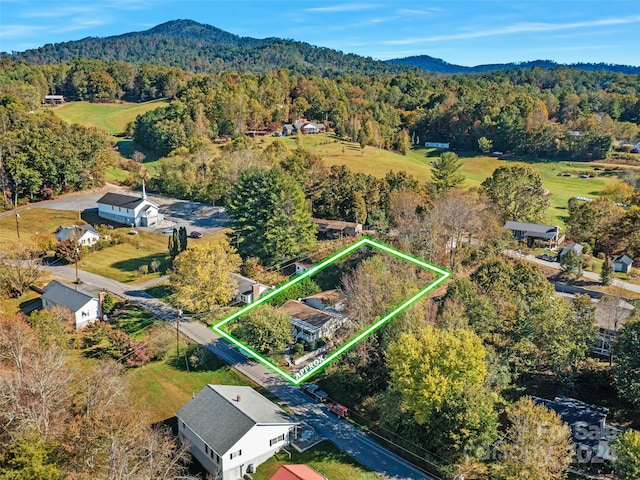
[339, 410]
[195, 234]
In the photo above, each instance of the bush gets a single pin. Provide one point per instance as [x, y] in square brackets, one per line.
[298, 348]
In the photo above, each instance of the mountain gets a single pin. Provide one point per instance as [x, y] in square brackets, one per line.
[432, 64]
[203, 48]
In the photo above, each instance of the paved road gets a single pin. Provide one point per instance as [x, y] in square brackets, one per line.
[347, 437]
[589, 275]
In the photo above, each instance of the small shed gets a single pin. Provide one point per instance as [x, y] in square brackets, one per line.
[571, 246]
[622, 264]
[53, 100]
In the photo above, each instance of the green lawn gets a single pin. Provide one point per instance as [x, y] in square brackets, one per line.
[161, 388]
[325, 458]
[112, 117]
[34, 220]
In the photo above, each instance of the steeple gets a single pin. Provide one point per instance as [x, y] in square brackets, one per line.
[144, 192]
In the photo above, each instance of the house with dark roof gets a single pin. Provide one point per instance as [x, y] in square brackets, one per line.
[129, 210]
[288, 129]
[231, 430]
[81, 234]
[248, 289]
[589, 430]
[337, 228]
[622, 264]
[302, 267]
[297, 472]
[85, 307]
[530, 232]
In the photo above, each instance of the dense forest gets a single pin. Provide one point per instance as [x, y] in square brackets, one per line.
[551, 114]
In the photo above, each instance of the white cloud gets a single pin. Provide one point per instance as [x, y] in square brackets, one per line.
[17, 31]
[518, 28]
[423, 11]
[80, 24]
[58, 12]
[345, 7]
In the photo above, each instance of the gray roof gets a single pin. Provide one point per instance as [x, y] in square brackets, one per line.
[74, 232]
[245, 284]
[533, 229]
[571, 246]
[216, 416]
[66, 296]
[120, 200]
[624, 260]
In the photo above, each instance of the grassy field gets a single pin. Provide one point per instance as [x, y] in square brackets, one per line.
[325, 458]
[112, 117]
[475, 167]
[32, 221]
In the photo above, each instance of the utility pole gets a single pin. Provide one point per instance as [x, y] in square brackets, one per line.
[18, 225]
[77, 254]
[178, 332]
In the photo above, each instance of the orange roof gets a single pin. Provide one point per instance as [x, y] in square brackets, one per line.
[297, 472]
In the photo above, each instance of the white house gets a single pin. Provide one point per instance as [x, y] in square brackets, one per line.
[129, 210]
[302, 267]
[622, 264]
[85, 307]
[81, 234]
[231, 430]
[248, 290]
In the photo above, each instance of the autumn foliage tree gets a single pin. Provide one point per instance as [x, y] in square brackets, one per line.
[201, 279]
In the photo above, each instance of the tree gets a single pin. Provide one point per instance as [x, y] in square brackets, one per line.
[485, 145]
[431, 367]
[174, 244]
[182, 239]
[517, 193]
[445, 174]
[627, 368]
[571, 264]
[69, 250]
[606, 273]
[266, 329]
[201, 279]
[270, 216]
[20, 267]
[536, 446]
[29, 456]
[627, 448]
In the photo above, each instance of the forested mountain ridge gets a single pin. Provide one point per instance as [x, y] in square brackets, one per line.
[202, 48]
[437, 65]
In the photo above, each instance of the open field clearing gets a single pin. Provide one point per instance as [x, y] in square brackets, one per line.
[112, 117]
[32, 221]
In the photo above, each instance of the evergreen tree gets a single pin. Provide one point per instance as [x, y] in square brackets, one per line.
[182, 239]
[571, 264]
[174, 244]
[445, 173]
[606, 274]
[270, 215]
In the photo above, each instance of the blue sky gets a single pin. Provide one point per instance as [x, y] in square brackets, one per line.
[463, 32]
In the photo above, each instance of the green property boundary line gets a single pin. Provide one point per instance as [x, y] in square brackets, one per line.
[443, 275]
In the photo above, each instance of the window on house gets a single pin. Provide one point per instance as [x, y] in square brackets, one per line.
[217, 459]
[236, 454]
[183, 425]
[278, 439]
[206, 448]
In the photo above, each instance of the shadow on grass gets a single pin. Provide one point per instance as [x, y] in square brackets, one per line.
[133, 264]
[127, 146]
[162, 292]
[199, 358]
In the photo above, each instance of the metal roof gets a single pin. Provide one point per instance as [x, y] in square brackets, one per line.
[66, 296]
[120, 200]
[222, 414]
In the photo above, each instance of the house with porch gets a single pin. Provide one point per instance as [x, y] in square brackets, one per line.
[231, 430]
[530, 232]
[316, 316]
[129, 210]
[84, 307]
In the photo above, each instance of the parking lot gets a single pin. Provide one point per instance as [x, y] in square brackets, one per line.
[194, 216]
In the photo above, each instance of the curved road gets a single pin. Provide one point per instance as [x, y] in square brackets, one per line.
[347, 437]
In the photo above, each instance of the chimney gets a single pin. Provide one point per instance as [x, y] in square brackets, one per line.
[144, 192]
[238, 398]
[255, 291]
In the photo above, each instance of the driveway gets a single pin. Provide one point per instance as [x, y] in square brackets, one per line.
[347, 437]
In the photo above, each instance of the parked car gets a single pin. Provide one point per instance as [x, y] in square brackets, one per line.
[133, 232]
[547, 257]
[340, 410]
[314, 392]
[195, 234]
